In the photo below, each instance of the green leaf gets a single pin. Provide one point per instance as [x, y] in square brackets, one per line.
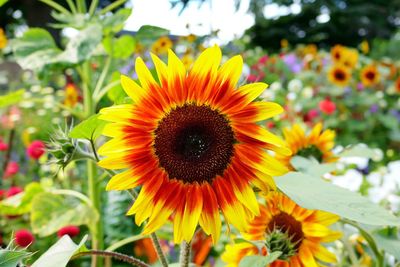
[88, 129]
[150, 33]
[117, 93]
[51, 212]
[2, 2]
[11, 98]
[11, 258]
[390, 245]
[60, 253]
[20, 203]
[359, 150]
[259, 261]
[121, 47]
[317, 194]
[311, 166]
[82, 46]
[77, 20]
[115, 22]
[35, 49]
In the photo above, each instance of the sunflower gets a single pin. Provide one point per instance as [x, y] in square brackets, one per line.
[370, 75]
[192, 142]
[162, 45]
[317, 144]
[287, 227]
[350, 58]
[337, 53]
[3, 39]
[71, 95]
[339, 74]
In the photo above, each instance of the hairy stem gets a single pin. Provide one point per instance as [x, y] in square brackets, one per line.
[118, 256]
[185, 254]
[160, 253]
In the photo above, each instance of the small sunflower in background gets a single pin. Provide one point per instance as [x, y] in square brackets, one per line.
[370, 75]
[317, 144]
[350, 58]
[162, 45]
[364, 47]
[339, 75]
[192, 141]
[3, 39]
[285, 226]
[71, 95]
[337, 53]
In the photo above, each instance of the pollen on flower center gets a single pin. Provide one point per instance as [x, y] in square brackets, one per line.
[194, 143]
[287, 224]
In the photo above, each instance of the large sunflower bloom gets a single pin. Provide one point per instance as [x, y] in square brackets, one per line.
[303, 229]
[369, 75]
[339, 75]
[192, 142]
[317, 144]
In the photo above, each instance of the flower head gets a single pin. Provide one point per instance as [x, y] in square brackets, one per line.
[327, 106]
[370, 75]
[12, 169]
[71, 95]
[317, 144]
[36, 149]
[192, 142]
[70, 230]
[284, 226]
[3, 146]
[162, 45]
[24, 238]
[3, 39]
[14, 190]
[339, 75]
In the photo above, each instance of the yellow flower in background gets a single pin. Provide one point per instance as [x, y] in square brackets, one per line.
[191, 38]
[364, 46]
[317, 144]
[187, 61]
[71, 95]
[3, 39]
[350, 58]
[310, 49]
[284, 43]
[339, 75]
[162, 45]
[285, 226]
[369, 75]
[337, 53]
[192, 142]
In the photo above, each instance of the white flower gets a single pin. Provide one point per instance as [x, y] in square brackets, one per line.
[351, 180]
[295, 85]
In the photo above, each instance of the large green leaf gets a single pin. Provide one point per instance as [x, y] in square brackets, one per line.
[11, 98]
[360, 150]
[311, 166]
[259, 261]
[11, 258]
[317, 194]
[20, 203]
[51, 212]
[148, 33]
[89, 129]
[122, 47]
[82, 46]
[390, 245]
[115, 22]
[60, 253]
[35, 49]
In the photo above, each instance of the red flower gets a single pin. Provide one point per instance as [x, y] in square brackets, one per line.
[327, 106]
[14, 190]
[12, 169]
[263, 59]
[2, 194]
[70, 230]
[35, 149]
[24, 238]
[3, 146]
[311, 115]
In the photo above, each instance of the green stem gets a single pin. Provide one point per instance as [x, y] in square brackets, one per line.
[81, 4]
[72, 193]
[119, 256]
[159, 251]
[93, 7]
[107, 88]
[71, 6]
[112, 6]
[371, 242]
[56, 6]
[185, 254]
[123, 242]
[101, 79]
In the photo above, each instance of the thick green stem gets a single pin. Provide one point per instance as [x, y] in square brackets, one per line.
[159, 251]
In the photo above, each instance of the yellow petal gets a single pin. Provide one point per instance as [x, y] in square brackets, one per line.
[132, 89]
[252, 90]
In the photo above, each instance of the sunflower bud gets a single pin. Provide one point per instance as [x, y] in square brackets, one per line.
[277, 240]
[64, 149]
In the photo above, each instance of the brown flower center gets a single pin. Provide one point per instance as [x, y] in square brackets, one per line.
[194, 143]
[286, 223]
[370, 75]
[340, 75]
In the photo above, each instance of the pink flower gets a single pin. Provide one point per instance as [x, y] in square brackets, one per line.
[24, 238]
[263, 59]
[2, 194]
[70, 230]
[12, 169]
[3, 146]
[311, 115]
[327, 106]
[14, 190]
[36, 149]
